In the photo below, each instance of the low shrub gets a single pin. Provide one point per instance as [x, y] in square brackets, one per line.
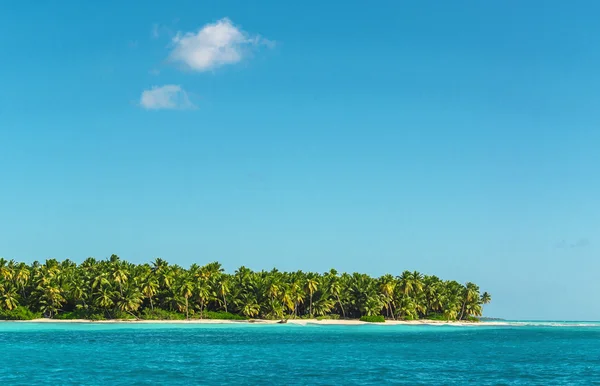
[19, 313]
[373, 319]
[96, 316]
[160, 314]
[122, 315]
[222, 315]
[71, 315]
[436, 316]
[85, 314]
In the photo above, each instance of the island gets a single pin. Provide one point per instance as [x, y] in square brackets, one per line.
[117, 290]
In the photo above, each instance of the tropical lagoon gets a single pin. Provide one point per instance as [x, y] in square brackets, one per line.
[183, 354]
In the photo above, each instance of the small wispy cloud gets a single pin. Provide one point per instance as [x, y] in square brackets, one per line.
[155, 31]
[159, 30]
[214, 45]
[167, 97]
[578, 244]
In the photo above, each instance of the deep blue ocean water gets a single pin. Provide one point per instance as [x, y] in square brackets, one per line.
[115, 354]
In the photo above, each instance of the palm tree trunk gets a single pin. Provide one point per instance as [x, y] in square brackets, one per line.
[310, 310]
[225, 301]
[187, 315]
[462, 312]
[342, 307]
[132, 314]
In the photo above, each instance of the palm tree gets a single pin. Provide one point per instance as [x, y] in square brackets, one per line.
[103, 299]
[450, 311]
[119, 276]
[76, 290]
[186, 289]
[149, 289]
[130, 301]
[6, 269]
[50, 299]
[486, 298]
[8, 298]
[21, 277]
[323, 306]
[249, 306]
[311, 287]
[335, 288]
[470, 294]
[387, 287]
[297, 295]
[114, 286]
[287, 299]
[203, 292]
[223, 290]
[101, 280]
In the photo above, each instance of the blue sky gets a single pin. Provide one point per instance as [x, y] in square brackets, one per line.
[455, 139]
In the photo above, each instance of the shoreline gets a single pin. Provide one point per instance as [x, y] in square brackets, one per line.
[300, 322]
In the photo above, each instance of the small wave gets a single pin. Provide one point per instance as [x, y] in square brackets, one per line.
[554, 324]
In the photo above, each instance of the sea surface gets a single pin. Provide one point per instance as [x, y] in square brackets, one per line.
[525, 353]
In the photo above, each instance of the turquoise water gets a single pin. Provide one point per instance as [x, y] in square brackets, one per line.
[113, 354]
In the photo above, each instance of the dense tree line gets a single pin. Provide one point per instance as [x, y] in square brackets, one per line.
[112, 288]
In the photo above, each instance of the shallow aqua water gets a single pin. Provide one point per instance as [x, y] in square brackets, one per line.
[112, 354]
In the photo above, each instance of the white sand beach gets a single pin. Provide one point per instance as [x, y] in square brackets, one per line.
[303, 322]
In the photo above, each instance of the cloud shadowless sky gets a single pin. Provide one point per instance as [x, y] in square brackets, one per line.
[455, 139]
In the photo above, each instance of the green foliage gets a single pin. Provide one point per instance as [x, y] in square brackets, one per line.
[436, 316]
[19, 313]
[97, 316]
[76, 314]
[372, 318]
[222, 315]
[122, 315]
[159, 314]
[116, 289]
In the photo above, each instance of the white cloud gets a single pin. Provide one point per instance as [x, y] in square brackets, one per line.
[214, 45]
[167, 97]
